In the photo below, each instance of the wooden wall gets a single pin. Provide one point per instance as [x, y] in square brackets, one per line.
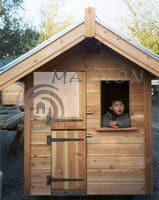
[37, 154]
[118, 162]
[116, 159]
[13, 94]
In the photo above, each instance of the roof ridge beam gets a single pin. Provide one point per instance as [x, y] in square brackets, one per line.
[89, 22]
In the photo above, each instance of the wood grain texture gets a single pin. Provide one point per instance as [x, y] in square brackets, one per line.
[80, 122]
[148, 134]
[39, 175]
[113, 188]
[115, 175]
[39, 182]
[27, 136]
[43, 56]
[115, 157]
[13, 94]
[89, 22]
[40, 151]
[126, 49]
[69, 160]
[124, 162]
[119, 138]
[116, 149]
[40, 189]
[41, 163]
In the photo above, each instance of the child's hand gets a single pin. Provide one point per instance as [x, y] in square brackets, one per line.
[113, 124]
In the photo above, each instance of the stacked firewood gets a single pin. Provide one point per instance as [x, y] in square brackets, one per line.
[11, 119]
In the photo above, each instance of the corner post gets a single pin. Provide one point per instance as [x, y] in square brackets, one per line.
[89, 22]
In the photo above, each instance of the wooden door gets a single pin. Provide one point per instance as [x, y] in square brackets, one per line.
[72, 92]
[68, 141]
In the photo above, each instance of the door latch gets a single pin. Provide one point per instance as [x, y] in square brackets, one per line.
[89, 112]
[89, 135]
[53, 179]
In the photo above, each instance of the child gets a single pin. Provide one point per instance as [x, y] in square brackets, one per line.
[116, 117]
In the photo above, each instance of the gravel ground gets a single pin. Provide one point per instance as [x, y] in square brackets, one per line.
[12, 167]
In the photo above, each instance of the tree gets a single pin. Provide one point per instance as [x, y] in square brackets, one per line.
[143, 22]
[50, 23]
[16, 36]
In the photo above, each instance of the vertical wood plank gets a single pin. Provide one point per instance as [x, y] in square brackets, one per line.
[69, 160]
[89, 22]
[148, 134]
[27, 138]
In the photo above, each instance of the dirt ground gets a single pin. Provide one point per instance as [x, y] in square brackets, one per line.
[12, 167]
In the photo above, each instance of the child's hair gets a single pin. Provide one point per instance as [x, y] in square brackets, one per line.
[116, 99]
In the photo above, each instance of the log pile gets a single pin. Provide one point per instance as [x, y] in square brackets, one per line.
[10, 117]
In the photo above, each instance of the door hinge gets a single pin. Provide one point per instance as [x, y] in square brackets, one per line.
[50, 139]
[53, 179]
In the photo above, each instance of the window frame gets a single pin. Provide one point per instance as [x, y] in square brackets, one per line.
[102, 128]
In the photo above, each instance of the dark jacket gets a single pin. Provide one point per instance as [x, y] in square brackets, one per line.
[123, 120]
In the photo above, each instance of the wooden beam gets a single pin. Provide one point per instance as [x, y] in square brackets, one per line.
[148, 134]
[126, 49]
[89, 22]
[27, 138]
[43, 56]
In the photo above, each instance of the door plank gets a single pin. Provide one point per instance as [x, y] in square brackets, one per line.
[69, 160]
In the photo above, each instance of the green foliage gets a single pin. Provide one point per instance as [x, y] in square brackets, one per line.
[50, 25]
[148, 39]
[16, 36]
[143, 22]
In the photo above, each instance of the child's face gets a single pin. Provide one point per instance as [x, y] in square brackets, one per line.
[117, 107]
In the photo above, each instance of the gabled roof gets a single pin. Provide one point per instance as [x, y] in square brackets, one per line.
[71, 36]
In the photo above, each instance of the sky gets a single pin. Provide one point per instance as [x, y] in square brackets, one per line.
[109, 11]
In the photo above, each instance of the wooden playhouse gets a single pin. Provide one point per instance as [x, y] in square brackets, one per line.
[75, 154]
